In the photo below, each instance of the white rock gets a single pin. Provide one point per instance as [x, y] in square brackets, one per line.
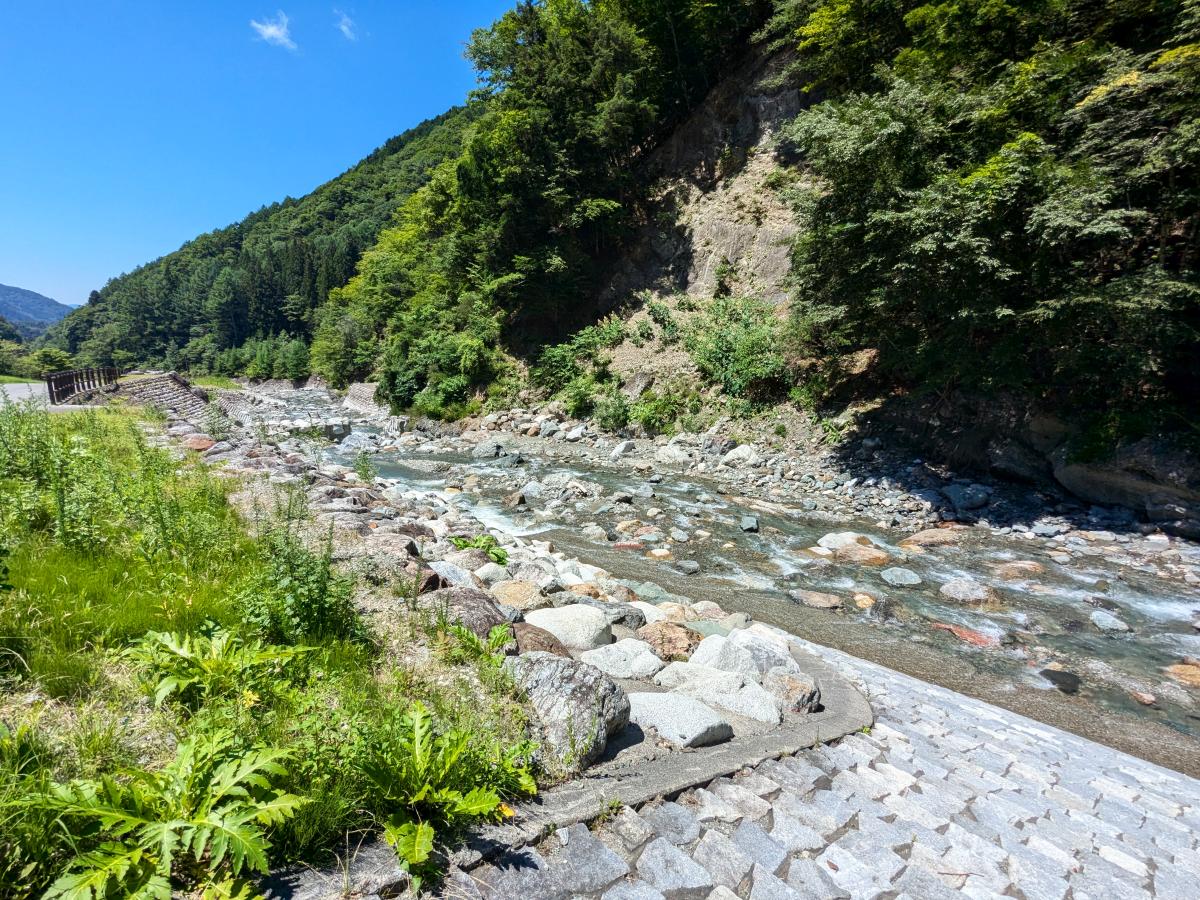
[621, 449]
[742, 455]
[766, 651]
[650, 611]
[672, 454]
[683, 721]
[579, 627]
[1109, 623]
[716, 651]
[695, 680]
[629, 658]
[751, 700]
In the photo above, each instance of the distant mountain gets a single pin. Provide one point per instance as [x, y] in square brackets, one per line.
[31, 312]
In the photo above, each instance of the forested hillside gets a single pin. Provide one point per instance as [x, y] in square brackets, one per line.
[1001, 196]
[30, 312]
[261, 278]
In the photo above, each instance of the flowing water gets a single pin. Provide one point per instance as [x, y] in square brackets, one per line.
[1041, 621]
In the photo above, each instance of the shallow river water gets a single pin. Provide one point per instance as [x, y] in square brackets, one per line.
[1039, 622]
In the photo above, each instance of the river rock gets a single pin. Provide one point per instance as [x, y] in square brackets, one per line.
[742, 456]
[697, 680]
[198, 442]
[475, 609]
[849, 546]
[490, 448]
[684, 721]
[668, 640]
[765, 648]
[652, 613]
[622, 448]
[629, 658]
[900, 577]
[1019, 570]
[933, 537]
[1185, 673]
[522, 595]
[1067, 682]
[966, 590]
[1108, 623]
[797, 691]
[719, 653]
[471, 558]
[578, 626]
[967, 497]
[531, 639]
[816, 599]
[578, 707]
[748, 524]
[672, 454]
[455, 575]
[490, 573]
[751, 701]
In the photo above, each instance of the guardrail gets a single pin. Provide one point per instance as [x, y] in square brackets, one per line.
[62, 386]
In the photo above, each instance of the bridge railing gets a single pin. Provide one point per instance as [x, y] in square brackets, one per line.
[62, 386]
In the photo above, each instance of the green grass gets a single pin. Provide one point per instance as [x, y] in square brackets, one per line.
[105, 539]
[16, 379]
[214, 381]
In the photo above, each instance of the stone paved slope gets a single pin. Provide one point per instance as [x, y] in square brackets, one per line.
[946, 797]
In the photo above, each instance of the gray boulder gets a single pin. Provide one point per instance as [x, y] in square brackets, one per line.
[684, 721]
[900, 577]
[578, 626]
[577, 706]
[629, 658]
[475, 609]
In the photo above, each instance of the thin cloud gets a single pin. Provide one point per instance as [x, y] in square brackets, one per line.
[346, 26]
[275, 31]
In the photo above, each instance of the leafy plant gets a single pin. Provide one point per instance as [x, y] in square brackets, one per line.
[467, 646]
[484, 542]
[435, 782]
[364, 467]
[294, 595]
[199, 823]
[611, 410]
[199, 668]
[736, 343]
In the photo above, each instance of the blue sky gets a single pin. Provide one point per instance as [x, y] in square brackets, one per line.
[131, 127]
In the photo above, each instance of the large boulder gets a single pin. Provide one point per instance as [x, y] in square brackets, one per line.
[697, 680]
[490, 448]
[718, 652]
[578, 707]
[851, 547]
[967, 496]
[684, 721]
[475, 609]
[579, 627]
[625, 659]
[455, 575]
[742, 456]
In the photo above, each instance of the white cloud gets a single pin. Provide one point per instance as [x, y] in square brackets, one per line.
[346, 26]
[274, 31]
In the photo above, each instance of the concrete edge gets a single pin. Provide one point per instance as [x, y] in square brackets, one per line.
[372, 868]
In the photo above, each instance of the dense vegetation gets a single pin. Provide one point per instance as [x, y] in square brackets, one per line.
[997, 195]
[196, 308]
[504, 245]
[184, 701]
[1006, 197]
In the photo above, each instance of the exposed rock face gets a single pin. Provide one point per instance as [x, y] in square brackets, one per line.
[578, 707]
[476, 609]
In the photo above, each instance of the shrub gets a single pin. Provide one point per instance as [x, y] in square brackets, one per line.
[657, 412]
[294, 595]
[611, 410]
[364, 467]
[736, 344]
[661, 314]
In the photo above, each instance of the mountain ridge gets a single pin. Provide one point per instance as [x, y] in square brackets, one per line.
[28, 311]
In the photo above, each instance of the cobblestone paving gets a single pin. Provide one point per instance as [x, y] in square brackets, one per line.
[946, 797]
